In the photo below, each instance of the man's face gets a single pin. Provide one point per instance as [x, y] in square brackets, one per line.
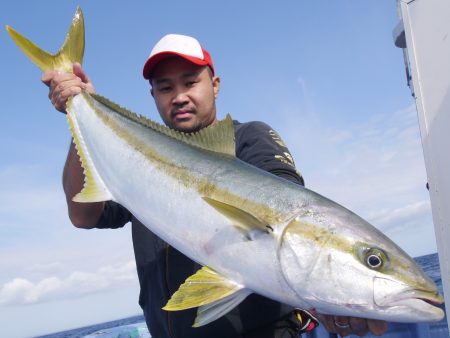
[184, 94]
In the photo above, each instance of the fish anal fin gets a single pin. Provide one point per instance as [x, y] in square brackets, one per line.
[210, 312]
[241, 219]
[202, 288]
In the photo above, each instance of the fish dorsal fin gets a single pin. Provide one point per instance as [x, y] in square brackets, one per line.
[94, 190]
[204, 287]
[241, 219]
[218, 137]
[71, 51]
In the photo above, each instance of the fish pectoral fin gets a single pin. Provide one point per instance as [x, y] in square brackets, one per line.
[205, 287]
[94, 189]
[71, 51]
[241, 219]
[210, 312]
[212, 293]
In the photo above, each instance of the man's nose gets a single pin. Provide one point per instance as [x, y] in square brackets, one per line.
[180, 97]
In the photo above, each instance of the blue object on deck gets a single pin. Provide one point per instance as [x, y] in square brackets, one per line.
[137, 330]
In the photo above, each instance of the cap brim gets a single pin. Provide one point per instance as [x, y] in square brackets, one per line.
[149, 66]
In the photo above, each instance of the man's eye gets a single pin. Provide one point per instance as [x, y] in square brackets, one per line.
[164, 89]
[190, 83]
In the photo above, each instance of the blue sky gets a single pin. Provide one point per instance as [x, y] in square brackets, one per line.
[326, 75]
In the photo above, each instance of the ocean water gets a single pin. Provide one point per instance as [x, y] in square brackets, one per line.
[97, 328]
[136, 324]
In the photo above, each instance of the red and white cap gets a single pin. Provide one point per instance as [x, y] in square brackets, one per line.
[181, 45]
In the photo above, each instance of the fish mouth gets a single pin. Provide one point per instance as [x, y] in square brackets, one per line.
[430, 297]
[420, 303]
[423, 304]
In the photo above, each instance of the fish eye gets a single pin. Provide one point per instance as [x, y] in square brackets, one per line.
[372, 257]
[374, 261]
[375, 258]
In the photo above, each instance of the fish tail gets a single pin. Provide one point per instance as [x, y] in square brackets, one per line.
[71, 51]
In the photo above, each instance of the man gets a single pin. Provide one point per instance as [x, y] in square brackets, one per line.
[184, 86]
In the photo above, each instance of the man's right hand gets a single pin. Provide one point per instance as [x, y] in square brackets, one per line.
[64, 85]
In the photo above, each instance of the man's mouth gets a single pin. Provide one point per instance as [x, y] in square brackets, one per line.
[181, 114]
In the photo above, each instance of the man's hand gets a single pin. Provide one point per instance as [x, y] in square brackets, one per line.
[345, 326]
[64, 85]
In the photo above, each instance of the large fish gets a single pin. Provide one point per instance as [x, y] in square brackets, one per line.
[252, 231]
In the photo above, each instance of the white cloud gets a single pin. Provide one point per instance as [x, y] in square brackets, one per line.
[23, 291]
[399, 217]
[375, 168]
[383, 155]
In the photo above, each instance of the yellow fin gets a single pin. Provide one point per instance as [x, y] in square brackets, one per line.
[94, 190]
[71, 51]
[204, 287]
[218, 137]
[210, 312]
[241, 219]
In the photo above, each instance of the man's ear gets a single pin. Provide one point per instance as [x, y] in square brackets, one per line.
[216, 85]
[151, 87]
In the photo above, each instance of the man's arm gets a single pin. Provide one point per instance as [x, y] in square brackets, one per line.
[259, 145]
[61, 87]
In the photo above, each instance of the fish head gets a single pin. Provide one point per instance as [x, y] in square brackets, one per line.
[339, 264]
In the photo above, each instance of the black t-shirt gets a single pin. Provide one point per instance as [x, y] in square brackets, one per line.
[162, 269]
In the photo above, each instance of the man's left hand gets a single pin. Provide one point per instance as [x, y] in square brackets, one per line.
[345, 326]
